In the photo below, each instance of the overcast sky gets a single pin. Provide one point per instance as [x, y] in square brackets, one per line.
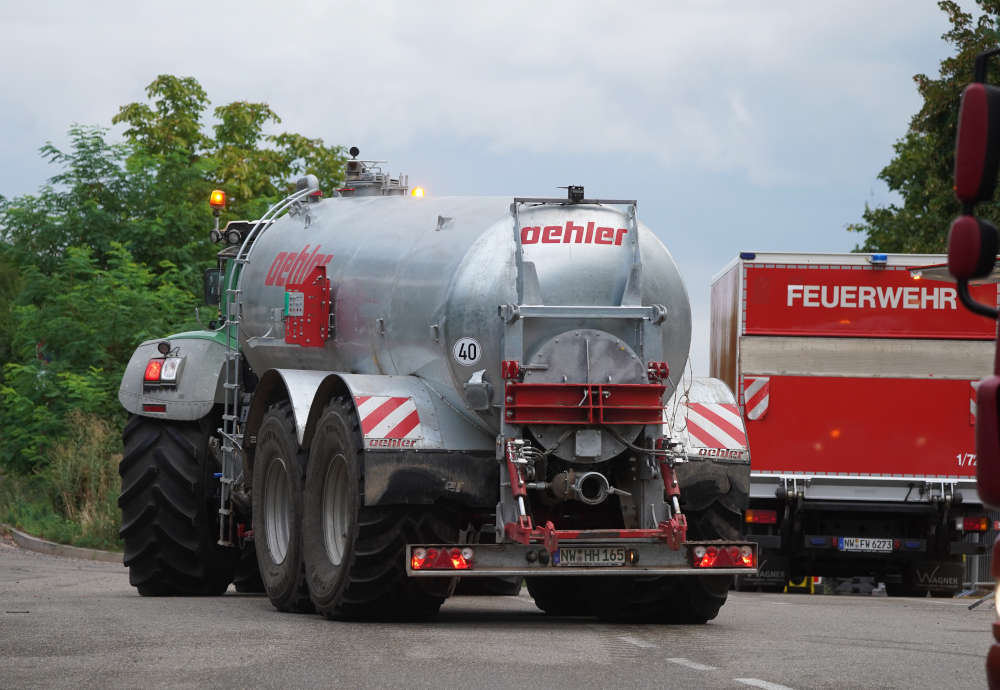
[737, 125]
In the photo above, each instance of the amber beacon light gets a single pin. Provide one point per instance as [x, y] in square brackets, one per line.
[218, 199]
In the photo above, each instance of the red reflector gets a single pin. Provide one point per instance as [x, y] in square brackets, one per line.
[710, 557]
[976, 524]
[153, 370]
[761, 517]
[153, 408]
[435, 559]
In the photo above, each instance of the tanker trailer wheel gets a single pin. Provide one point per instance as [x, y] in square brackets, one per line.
[560, 596]
[355, 555]
[277, 511]
[714, 512]
[169, 509]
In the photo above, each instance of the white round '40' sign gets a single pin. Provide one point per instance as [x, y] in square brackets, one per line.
[466, 351]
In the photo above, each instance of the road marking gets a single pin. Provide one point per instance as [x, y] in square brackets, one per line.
[691, 664]
[757, 683]
[637, 642]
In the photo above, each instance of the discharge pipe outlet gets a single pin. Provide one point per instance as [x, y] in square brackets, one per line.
[592, 488]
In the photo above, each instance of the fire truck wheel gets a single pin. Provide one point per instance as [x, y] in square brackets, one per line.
[559, 596]
[355, 554]
[169, 524]
[246, 579]
[277, 511]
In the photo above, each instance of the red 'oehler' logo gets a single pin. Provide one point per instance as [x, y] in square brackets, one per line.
[572, 234]
[289, 268]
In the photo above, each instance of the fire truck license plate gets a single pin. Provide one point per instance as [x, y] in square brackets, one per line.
[591, 555]
[865, 544]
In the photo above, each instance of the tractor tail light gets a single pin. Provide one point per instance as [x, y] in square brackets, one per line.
[153, 370]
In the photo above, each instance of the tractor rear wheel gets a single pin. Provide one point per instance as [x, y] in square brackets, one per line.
[169, 509]
[354, 553]
[277, 511]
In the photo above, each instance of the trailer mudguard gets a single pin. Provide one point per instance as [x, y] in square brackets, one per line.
[417, 447]
[199, 379]
[705, 417]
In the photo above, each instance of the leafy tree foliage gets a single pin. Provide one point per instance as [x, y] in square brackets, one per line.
[921, 170]
[74, 330]
[110, 251]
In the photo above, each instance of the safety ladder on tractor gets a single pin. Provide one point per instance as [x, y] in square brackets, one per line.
[234, 412]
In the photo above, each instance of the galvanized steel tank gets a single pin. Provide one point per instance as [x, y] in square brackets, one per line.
[413, 279]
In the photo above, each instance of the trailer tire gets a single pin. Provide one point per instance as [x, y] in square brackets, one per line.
[687, 599]
[560, 596]
[168, 524]
[277, 511]
[355, 554]
[489, 586]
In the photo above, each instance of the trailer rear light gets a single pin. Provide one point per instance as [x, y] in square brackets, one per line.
[724, 557]
[153, 370]
[705, 556]
[761, 517]
[441, 559]
[976, 524]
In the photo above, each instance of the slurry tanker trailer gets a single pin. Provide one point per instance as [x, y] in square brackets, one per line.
[403, 391]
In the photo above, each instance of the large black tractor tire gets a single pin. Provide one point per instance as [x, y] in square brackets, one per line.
[169, 510]
[561, 596]
[355, 554]
[277, 511]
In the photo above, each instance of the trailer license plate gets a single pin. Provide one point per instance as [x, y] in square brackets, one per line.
[865, 544]
[591, 555]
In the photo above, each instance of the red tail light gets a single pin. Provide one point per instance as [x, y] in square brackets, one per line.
[724, 557]
[980, 523]
[761, 517]
[153, 370]
[441, 559]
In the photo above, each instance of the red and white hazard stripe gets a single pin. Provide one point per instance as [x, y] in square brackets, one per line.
[756, 395]
[716, 425]
[973, 385]
[388, 417]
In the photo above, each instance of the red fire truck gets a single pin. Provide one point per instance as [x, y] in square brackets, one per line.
[856, 376]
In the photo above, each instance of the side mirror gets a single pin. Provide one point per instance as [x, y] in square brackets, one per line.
[213, 286]
[972, 248]
[977, 147]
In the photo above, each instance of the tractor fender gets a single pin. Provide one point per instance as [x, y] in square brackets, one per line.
[199, 380]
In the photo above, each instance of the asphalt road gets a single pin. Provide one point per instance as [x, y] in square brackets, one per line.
[71, 623]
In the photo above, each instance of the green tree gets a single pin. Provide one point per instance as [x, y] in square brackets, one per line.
[74, 330]
[921, 170]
